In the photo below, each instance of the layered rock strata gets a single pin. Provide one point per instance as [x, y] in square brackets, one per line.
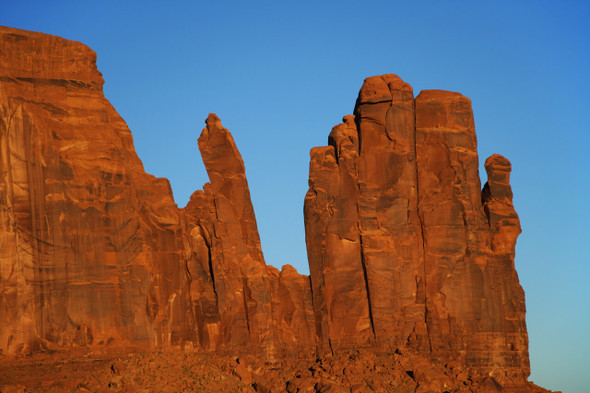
[396, 220]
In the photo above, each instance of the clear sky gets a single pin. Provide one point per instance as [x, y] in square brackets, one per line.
[281, 74]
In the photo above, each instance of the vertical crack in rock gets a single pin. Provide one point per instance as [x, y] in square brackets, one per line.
[341, 304]
[368, 290]
[421, 282]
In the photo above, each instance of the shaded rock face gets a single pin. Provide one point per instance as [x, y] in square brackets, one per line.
[94, 251]
[405, 249]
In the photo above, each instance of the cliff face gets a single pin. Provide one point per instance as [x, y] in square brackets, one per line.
[238, 300]
[405, 249]
[93, 250]
[396, 220]
[89, 241]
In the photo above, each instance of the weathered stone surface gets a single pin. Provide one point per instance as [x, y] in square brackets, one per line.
[505, 298]
[341, 303]
[497, 197]
[388, 216]
[89, 251]
[454, 226]
[395, 212]
[292, 312]
[408, 256]
[475, 305]
[93, 250]
[237, 299]
[365, 187]
[238, 270]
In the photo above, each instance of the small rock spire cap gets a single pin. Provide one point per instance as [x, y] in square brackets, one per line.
[382, 88]
[213, 120]
[498, 162]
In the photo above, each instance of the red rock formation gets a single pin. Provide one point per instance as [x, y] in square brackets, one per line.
[341, 305]
[395, 213]
[292, 313]
[506, 303]
[372, 206]
[237, 300]
[94, 250]
[405, 250]
[455, 231]
[227, 272]
[89, 249]
[237, 265]
[475, 304]
[389, 223]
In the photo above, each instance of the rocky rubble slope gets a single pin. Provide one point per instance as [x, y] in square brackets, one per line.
[169, 371]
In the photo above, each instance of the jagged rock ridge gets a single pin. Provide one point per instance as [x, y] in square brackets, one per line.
[404, 247]
[95, 251]
[405, 250]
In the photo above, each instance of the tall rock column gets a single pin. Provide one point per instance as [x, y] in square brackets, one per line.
[237, 301]
[341, 302]
[454, 225]
[390, 230]
[197, 219]
[362, 227]
[505, 303]
[475, 305]
[497, 200]
[237, 267]
[433, 255]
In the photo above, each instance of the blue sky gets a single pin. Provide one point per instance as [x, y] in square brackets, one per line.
[281, 74]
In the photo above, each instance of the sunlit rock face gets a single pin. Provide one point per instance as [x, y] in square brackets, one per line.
[236, 299]
[407, 254]
[94, 251]
[89, 248]
[404, 247]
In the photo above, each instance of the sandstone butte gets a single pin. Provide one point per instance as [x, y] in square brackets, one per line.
[407, 254]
